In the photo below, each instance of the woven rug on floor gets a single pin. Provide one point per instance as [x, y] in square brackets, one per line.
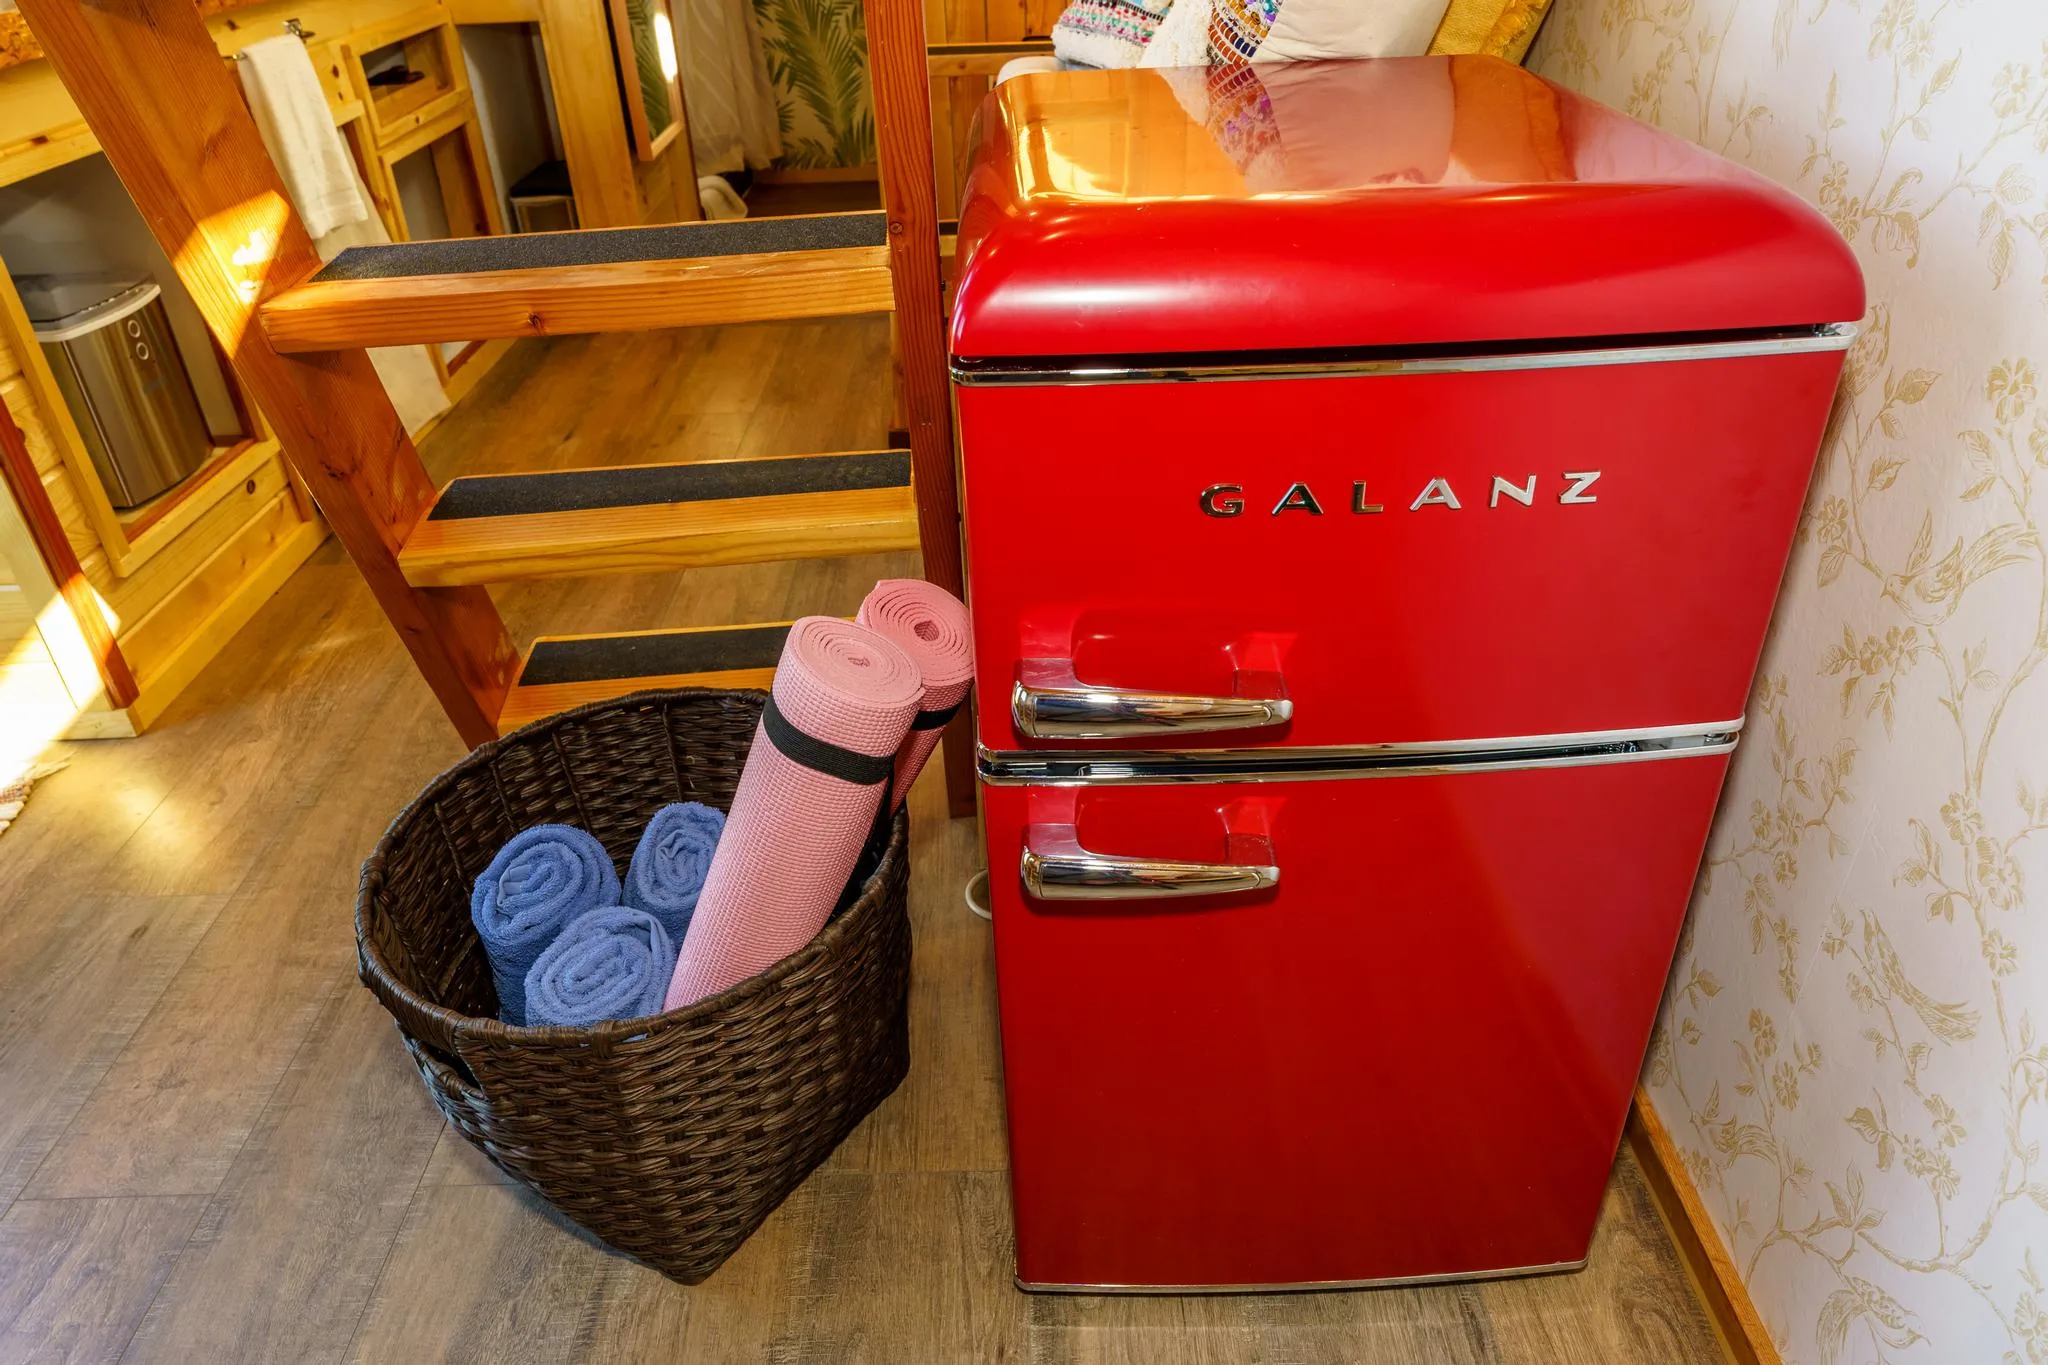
[14, 795]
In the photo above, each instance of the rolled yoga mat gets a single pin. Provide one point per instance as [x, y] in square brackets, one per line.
[611, 963]
[667, 873]
[541, 879]
[931, 626]
[823, 754]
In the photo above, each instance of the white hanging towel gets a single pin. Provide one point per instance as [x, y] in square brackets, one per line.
[298, 129]
[410, 379]
[329, 194]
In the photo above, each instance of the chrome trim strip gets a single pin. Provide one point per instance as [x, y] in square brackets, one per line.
[1160, 767]
[1833, 337]
[1301, 1286]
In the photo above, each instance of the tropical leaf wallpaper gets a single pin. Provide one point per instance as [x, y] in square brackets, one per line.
[1854, 1050]
[817, 57]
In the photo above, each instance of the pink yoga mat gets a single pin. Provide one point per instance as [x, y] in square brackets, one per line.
[842, 702]
[931, 626]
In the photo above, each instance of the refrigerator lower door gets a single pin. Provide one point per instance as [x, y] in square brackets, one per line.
[1399, 1043]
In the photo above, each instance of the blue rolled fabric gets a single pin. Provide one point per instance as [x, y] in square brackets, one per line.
[541, 879]
[668, 867]
[612, 963]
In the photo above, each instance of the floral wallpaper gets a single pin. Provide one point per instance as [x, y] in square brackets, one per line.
[1854, 1050]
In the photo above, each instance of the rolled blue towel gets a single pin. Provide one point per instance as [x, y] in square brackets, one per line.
[612, 963]
[541, 879]
[668, 867]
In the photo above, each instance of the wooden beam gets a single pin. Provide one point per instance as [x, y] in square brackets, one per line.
[903, 133]
[169, 115]
[627, 296]
[495, 11]
[18, 473]
[980, 59]
[1714, 1275]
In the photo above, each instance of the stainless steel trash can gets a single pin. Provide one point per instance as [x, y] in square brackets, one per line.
[109, 343]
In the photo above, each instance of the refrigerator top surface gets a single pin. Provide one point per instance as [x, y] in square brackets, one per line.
[1402, 202]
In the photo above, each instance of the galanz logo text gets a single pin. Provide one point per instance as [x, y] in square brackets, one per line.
[1571, 489]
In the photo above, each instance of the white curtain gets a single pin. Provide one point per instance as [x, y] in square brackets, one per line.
[725, 82]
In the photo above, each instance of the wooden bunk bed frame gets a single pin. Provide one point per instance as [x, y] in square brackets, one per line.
[167, 113]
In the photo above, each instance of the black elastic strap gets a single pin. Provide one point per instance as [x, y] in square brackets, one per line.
[822, 756]
[936, 720]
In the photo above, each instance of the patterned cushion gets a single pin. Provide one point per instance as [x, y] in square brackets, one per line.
[1501, 28]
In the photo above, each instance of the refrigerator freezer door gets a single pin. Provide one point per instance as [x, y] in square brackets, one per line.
[1386, 558]
[1412, 1056]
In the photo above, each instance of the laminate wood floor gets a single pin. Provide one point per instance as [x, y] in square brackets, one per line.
[212, 1147]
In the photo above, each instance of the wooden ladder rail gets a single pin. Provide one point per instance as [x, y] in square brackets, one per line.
[166, 111]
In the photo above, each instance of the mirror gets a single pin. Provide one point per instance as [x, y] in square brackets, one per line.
[644, 45]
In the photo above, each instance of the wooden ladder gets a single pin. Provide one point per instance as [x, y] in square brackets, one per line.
[171, 119]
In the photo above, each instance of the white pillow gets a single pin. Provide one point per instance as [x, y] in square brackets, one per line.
[1305, 30]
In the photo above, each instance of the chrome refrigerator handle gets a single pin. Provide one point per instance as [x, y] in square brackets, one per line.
[1048, 702]
[1056, 868]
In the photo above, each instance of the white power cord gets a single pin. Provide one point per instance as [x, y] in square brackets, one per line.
[979, 907]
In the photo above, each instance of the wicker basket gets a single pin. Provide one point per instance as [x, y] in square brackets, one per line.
[671, 1139]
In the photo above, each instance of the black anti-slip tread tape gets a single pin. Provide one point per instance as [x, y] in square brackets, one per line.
[652, 656]
[583, 490]
[606, 246]
[822, 755]
[935, 720]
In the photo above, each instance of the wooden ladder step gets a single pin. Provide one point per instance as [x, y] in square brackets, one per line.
[642, 518]
[561, 671]
[599, 280]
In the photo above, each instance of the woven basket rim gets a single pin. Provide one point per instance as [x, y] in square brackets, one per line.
[377, 974]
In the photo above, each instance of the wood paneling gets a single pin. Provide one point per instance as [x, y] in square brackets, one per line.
[62, 491]
[171, 119]
[188, 628]
[54, 544]
[23, 406]
[134, 597]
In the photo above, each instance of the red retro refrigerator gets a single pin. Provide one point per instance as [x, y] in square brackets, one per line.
[1377, 477]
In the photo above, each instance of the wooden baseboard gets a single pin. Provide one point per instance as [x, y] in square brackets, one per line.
[1714, 1275]
[815, 175]
[100, 723]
